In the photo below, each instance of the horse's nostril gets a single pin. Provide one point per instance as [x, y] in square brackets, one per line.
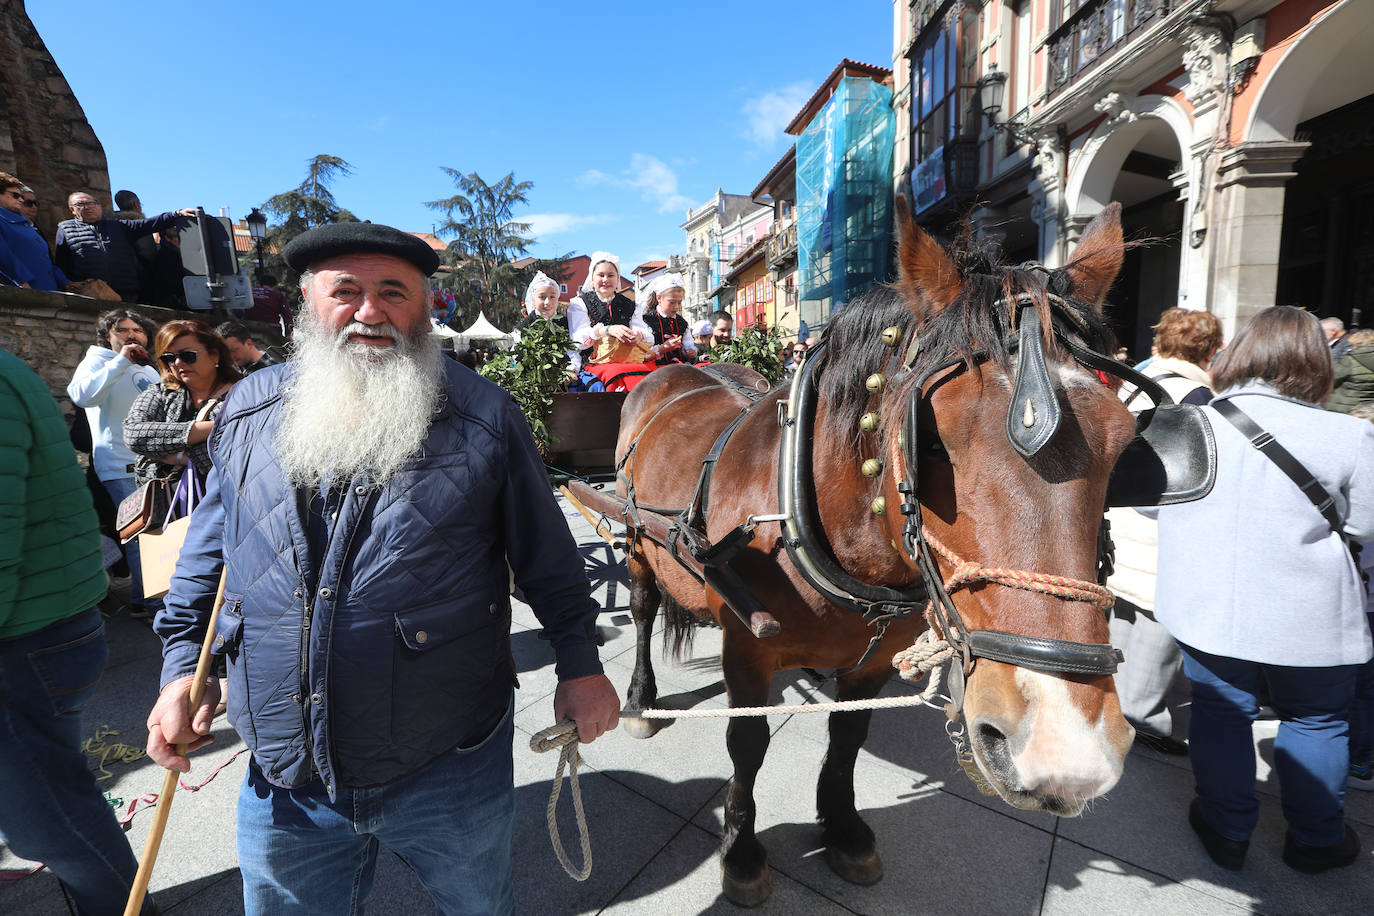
[990, 735]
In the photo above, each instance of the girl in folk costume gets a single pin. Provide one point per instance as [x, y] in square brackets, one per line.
[600, 311]
[541, 302]
[672, 343]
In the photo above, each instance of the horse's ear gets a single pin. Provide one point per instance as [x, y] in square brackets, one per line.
[926, 277]
[1097, 258]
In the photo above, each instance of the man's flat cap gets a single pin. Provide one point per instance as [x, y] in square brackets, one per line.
[355, 238]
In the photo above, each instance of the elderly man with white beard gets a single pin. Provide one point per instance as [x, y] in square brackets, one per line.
[366, 499]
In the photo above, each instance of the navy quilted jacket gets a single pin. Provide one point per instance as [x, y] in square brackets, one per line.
[394, 647]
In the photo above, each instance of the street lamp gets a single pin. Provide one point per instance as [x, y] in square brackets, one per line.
[992, 88]
[257, 228]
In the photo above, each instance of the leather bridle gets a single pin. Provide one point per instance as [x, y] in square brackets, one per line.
[810, 552]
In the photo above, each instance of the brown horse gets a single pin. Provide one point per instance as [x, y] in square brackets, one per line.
[944, 340]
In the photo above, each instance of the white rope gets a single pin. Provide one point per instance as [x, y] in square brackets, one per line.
[923, 658]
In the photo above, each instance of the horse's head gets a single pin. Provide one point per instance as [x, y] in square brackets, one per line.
[1027, 511]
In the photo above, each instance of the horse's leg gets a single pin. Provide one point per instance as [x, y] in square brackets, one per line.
[850, 848]
[643, 692]
[745, 877]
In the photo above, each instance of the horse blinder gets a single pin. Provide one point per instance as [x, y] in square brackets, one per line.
[1172, 459]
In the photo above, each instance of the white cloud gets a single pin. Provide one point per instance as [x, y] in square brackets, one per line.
[543, 225]
[767, 115]
[655, 181]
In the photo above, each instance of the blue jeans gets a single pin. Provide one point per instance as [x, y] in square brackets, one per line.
[119, 488]
[452, 821]
[1310, 754]
[51, 810]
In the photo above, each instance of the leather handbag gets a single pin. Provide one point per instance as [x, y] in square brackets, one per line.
[143, 509]
[145, 506]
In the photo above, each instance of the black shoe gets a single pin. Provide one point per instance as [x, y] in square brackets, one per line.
[1314, 859]
[1229, 854]
[1162, 745]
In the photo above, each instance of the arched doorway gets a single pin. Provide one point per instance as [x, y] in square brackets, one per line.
[1138, 164]
[1322, 92]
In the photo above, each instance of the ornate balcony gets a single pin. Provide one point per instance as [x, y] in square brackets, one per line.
[1094, 31]
[782, 245]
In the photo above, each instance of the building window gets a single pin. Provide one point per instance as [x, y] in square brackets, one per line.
[562, 287]
[944, 71]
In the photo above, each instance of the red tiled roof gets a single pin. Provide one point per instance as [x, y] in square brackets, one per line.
[432, 240]
[648, 266]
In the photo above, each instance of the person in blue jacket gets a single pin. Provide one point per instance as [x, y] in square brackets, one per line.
[369, 506]
[24, 257]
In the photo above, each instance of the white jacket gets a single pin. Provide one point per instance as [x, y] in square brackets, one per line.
[1134, 535]
[106, 385]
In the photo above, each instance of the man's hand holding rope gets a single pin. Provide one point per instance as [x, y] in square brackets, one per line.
[590, 701]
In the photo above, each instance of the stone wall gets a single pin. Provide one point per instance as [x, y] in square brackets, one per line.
[45, 138]
[51, 331]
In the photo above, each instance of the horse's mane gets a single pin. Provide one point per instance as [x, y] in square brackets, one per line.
[980, 318]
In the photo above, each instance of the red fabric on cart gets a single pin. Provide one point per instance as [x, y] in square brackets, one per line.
[620, 376]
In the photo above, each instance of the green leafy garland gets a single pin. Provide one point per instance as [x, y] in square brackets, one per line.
[757, 347]
[532, 371]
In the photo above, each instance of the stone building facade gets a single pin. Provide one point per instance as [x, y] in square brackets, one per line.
[45, 138]
[1234, 133]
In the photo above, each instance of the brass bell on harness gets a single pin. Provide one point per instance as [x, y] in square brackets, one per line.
[868, 422]
[872, 467]
[879, 505]
[892, 336]
[875, 382]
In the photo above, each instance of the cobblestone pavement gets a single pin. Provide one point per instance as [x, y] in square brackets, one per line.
[655, 811]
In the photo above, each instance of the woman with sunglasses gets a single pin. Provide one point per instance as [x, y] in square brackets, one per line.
[168, 425]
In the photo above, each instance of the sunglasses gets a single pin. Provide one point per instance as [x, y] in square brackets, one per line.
[188, 357]
[29, 202]
[15, 194]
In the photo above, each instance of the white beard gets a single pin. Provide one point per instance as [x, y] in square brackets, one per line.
[354, 410]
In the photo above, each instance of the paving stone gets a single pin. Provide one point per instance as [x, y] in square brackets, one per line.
[685, 878]
[1082, 881]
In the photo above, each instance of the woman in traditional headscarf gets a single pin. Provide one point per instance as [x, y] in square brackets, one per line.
[541, 301]
[662, 302]
[600, 311]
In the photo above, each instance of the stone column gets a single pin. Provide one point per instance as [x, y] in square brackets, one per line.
[1047, 199]
[1246, 227]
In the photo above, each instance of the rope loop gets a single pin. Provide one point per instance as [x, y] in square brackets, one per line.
[970, 572]
[563, 737]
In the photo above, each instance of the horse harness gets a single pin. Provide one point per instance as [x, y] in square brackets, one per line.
[1172, 459]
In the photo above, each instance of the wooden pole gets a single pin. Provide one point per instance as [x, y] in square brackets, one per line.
[597, 521]
[169, 782]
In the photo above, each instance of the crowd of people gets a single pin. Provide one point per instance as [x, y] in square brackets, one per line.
[1277, 620]
[369, 470]
[124, 257]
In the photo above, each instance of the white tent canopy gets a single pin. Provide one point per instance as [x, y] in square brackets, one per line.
[442, 330]
[482, 329]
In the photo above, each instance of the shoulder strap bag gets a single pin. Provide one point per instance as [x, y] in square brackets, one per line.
[1295, 469]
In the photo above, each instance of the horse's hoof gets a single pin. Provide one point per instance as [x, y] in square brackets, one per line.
[746, 893]
[643, 728]
[862, 869]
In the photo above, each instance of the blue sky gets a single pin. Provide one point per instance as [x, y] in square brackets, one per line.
[622, 114]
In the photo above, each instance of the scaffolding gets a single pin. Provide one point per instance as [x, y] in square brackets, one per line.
[844, 197]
